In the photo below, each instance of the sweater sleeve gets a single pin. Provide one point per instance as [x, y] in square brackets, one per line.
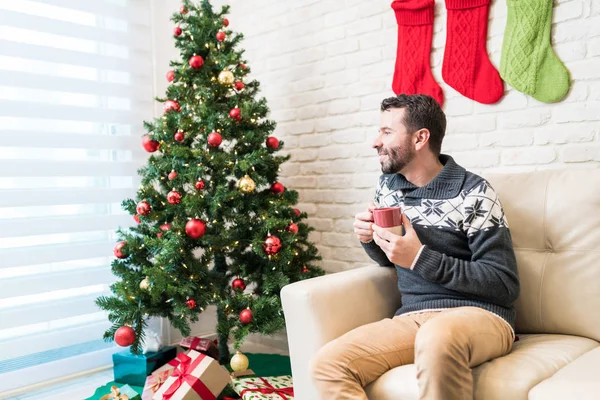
[491, 273]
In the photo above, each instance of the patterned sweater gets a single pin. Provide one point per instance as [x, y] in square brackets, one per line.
[467, 258]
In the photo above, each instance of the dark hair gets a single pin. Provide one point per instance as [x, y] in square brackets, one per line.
[422, 111]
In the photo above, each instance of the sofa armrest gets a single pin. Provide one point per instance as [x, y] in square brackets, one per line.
[321, 309]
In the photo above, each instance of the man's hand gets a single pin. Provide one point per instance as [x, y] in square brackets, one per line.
[362, 224]
[401, 250]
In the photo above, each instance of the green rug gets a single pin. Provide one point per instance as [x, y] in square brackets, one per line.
[261, 364]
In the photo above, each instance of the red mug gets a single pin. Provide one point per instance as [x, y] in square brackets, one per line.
[389, 218]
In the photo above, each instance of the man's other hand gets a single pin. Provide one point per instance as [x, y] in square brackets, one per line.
[362, 224]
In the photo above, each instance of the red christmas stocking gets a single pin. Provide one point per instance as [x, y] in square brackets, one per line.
[412, 73]
[467, 67]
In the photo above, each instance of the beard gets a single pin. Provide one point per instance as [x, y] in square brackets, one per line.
[397, 158]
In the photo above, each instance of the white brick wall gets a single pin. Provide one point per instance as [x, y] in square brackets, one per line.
[325, 66]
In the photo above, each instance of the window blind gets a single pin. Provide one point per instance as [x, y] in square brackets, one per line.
[75, 86]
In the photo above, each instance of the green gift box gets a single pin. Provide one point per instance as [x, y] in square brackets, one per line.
[112, 391]
[268, 387]
[133, 369]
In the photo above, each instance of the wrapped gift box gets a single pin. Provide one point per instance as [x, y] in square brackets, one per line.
[133, 369]
[124, 392]
[154, 382]
[197, 377]
[270, 387]
[201, 345]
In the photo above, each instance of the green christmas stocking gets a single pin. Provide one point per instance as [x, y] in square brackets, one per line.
[528, 62]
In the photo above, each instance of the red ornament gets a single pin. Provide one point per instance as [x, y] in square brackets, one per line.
[215, 139]
[292, 228]
[172, 175]
[143, 207]
[238, 284]
[272, 245]
[246, 316]
[170, 76]
[200, 184]
[225, 22]
[277, 188]
[136, 218]
[119, 251]
[171, 105]
[174, 197]
[150, 145]
[179, 136]
[239, 85]
[243, 66]
[238, 118]
[272, 142]
[221, 36]
[297, 212]
[191, 304]
[165, 227]
[177, 31]
[305, 270]
[124, 336]
[196, 62]
[235, 112]
[183, 10]
[195, 228]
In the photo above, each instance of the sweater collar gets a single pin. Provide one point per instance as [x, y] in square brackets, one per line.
[446, 184]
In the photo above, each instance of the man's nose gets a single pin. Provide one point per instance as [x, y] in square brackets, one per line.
[377, 142]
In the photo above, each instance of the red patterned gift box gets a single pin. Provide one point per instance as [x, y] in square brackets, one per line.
[202, 345]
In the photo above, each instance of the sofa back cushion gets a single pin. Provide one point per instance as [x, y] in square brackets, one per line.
[554, 218]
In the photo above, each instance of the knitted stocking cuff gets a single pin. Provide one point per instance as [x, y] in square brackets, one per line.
[462, 4]
[413, 12]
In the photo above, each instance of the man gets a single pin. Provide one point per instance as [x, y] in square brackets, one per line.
[455, 263]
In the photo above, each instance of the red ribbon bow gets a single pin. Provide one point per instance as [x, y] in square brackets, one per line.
[269, 389]
[183, 373]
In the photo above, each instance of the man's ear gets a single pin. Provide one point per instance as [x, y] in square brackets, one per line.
[421, 138]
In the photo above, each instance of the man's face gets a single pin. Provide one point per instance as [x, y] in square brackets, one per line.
[393, 142]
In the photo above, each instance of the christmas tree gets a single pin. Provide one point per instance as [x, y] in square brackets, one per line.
[214, 227]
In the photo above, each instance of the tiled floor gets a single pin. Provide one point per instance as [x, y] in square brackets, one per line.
[84, 387]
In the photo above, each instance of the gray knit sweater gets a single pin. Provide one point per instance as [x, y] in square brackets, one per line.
[467, 258]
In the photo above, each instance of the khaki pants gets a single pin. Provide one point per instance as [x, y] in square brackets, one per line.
[443, 345]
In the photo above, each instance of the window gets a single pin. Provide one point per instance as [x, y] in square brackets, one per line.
[75, 86]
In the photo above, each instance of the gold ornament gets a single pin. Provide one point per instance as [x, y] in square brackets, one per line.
[226, 78]
[239, 362]
[246, 184]
[145, 284]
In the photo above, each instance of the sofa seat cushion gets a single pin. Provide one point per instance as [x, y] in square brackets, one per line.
[578, 380]
[533, 359]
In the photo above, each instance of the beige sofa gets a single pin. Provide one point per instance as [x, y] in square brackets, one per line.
[554, 217]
